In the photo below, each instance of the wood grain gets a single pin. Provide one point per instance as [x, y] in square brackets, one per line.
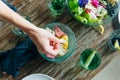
[86, 37]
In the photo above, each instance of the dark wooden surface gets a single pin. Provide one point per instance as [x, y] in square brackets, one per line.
[86, 37]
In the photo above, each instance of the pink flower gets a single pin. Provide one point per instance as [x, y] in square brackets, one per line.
[95, 3]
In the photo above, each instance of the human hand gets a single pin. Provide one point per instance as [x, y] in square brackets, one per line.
[46, 42]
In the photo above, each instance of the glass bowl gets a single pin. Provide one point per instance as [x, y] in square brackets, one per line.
[113, 37]
[90, 15]
[119, 16]
[90, 59]
[71, 42]
[17, 31]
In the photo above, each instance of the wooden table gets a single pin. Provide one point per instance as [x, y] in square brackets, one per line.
[86, 37]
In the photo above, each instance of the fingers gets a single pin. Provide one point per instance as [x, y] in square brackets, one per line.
[51, 48]
[51, 51]
[57, 40]
[50, 56]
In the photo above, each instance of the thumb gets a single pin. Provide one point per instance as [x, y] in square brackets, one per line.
[57, 40]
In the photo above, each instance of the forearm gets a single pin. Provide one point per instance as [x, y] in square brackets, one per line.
[16, 19]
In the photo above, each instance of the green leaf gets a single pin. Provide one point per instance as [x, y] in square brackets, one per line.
[80, 18]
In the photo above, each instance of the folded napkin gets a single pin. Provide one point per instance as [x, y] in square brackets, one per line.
[12, 60]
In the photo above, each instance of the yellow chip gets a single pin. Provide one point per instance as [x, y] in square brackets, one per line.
[65, 45]
[116, 45]
[99, 28]
[65, 38]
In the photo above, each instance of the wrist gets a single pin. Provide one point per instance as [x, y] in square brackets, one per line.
[31, 30]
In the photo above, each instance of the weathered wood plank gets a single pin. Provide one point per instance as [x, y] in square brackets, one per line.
[86, 37]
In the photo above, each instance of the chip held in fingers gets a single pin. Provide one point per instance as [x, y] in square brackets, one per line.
[62, 48]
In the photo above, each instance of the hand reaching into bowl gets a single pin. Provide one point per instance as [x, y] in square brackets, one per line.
[40, 37]
[45, 42]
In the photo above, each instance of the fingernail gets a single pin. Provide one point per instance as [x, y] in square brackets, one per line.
[50, 56]
[62, 41]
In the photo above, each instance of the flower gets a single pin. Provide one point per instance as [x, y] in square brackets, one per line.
[82, 3]
[95, 3]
